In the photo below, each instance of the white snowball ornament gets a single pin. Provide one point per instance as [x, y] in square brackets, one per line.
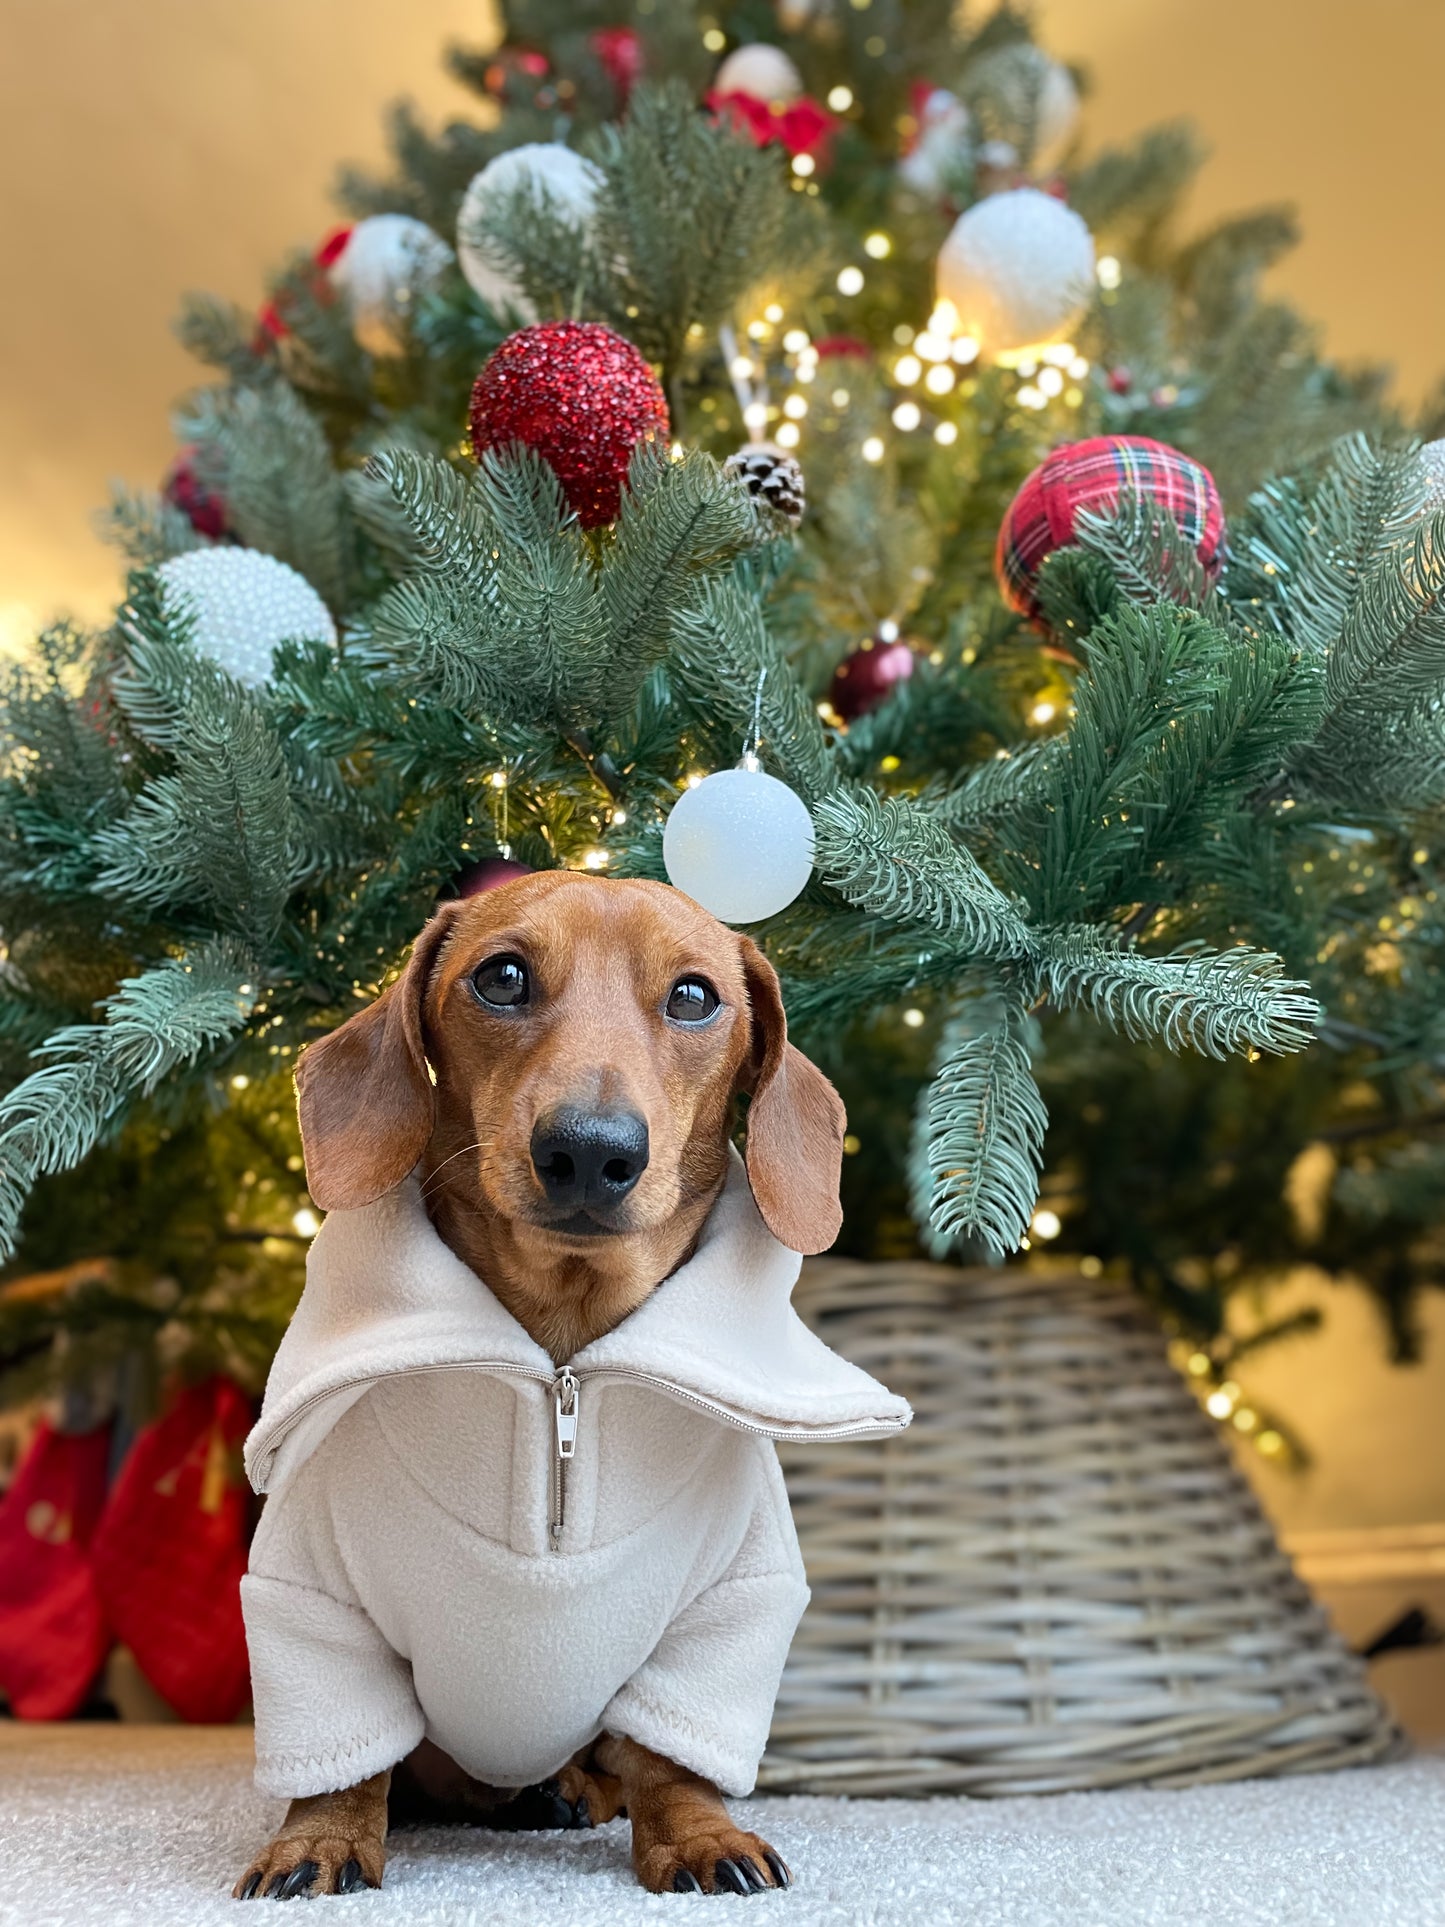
[388, 260]
[243, 604]
[568, 181]
[1018, 269]
[740, 844]
[762, 72]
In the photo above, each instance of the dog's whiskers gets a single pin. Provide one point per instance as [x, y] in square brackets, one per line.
[434, 1175]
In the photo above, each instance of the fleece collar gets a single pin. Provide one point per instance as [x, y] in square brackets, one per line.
[385, 1297]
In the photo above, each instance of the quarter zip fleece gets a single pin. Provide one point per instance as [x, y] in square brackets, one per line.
[467, 1542]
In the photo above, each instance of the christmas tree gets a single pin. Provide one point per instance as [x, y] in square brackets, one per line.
[1106, 658]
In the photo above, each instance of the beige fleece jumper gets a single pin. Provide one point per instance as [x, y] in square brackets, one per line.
[466, 1543]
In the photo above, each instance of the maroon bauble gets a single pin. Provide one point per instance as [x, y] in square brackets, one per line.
[862, 680]
[579, 395]
[488, 874]
[201, 506]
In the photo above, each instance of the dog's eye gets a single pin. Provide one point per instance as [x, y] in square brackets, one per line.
[502, 982]
[691, 1001]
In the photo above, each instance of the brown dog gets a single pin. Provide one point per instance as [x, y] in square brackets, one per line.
[560, 1059]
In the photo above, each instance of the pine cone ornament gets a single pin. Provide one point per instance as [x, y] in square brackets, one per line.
[770, 475]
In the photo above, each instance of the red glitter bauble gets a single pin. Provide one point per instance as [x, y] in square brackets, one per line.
[201, 506]
[862, 680]
[579, 395]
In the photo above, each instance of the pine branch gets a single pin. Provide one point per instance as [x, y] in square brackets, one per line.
[890, 859]
[1215, 1002]
[983, 1124]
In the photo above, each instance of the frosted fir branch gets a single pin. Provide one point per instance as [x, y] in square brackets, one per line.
[1367, 499]
[1214, 1002]
[1391, 647]
[1148, 554]
[145, 527]
[890, 859]
[89, 1073]
[982, 1132]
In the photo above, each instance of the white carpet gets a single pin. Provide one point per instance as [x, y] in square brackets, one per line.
[149, 1826]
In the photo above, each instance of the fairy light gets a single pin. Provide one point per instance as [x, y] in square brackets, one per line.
[795, 341]
[714, 40]
[741, 368]
[804, 165]
[1030, 397]
[888, 630]
[755, 416]
[840, 99]
[944, 320]
[1046, 1224]
[1043, 712]
[850, 281]
[946, 434]
[906, 370]
[788, 435]
[964, 350]
[873, 449]
[795, 407]
[931, 346]
[907, 415]
[879, 246]
[305, 1222]
[903, 334]
[914, 1018]
[940, 379]
[692, 779]
[596, 858]
[839, 398]
[240, 1081]
[619, 817]
[498, 779]
[1050, 382]
[806, 371]
[773, 312]
[1108, 271]
[1078, 367]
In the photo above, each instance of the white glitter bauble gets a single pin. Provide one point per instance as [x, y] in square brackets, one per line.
[762, 72]
[944, 128]
[1432, 460]
[1019, 269]
[388, 260]
[568, 181]
[244, 603]
[740, 844]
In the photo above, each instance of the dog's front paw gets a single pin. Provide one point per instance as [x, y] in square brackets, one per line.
[720, 1860]
[330, 1843]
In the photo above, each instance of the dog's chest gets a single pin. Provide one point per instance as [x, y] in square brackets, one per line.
[487, 1449]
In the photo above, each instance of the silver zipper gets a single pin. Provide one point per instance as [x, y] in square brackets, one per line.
[565, 1399]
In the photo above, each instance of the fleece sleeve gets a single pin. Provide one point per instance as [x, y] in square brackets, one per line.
[704, 1697]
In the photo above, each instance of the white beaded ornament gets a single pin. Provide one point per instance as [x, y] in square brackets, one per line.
[388, 260]
[244, 603]
[740, 843]
[568, 181]
[1432, 460]
[762, 72]
[944, 133]
[1018, 269]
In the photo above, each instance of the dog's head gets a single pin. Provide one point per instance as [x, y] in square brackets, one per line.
[571, 1047]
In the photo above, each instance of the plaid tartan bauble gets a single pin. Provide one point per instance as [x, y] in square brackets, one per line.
[1092, 475]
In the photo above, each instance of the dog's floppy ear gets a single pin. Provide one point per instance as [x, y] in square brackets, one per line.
[364, 1093]
[795, 1123]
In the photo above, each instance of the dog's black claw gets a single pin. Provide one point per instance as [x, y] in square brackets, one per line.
[286, 1886]
[750, 1872]
[727, 1878]
[249, 1891]
[582, 1813]
[776, 1868]
[350, 1879]
[684, 1882]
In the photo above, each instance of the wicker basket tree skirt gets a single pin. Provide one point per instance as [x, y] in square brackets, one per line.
[1056, 1578]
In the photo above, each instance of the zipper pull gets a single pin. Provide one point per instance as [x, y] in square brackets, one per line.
[566, 1395]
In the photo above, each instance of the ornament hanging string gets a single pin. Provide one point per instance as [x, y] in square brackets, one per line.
[753, 744]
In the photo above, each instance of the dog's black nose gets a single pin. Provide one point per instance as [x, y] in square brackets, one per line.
[589, 1158]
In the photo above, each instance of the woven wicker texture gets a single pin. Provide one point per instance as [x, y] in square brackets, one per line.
[1056, 1578]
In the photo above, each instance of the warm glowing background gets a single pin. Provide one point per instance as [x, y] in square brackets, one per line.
[158, 145]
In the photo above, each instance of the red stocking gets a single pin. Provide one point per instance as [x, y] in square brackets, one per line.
[52, 1631]
[171, 1550]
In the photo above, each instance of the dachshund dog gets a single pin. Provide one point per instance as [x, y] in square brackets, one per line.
[559, 1065]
